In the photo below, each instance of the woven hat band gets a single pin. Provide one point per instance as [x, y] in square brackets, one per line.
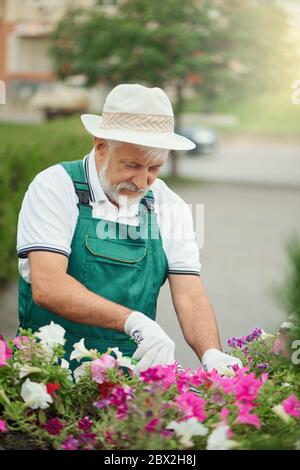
[138, 122]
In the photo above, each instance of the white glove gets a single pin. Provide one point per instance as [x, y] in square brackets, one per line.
[215, 359]
[154, 345]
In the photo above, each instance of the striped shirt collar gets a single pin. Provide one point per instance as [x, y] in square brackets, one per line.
[90, 170]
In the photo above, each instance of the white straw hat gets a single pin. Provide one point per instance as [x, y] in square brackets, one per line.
[138, 115]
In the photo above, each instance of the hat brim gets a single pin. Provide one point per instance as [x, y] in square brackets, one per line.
[163, 140]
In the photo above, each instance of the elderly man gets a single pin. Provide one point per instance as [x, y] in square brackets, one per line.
[95, 248]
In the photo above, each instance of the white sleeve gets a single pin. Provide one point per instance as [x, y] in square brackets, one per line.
[48, 214]
[177, 231]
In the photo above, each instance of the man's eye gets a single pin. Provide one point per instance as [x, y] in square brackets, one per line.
[131, 165]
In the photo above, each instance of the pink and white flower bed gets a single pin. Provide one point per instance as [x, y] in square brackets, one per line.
[103, 405]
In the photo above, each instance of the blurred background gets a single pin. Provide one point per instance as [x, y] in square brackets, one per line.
[231, 69]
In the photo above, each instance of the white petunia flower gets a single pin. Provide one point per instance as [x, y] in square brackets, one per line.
[51, 335]
[81, 370]
[65, 365]
[280, 412]
[267, 338]
[35, 395]
[80, 351]
[287, 325]
[217, 440]
[186, 429]
[123, 361]
[25, 369]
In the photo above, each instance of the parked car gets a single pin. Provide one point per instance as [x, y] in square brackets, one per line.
[61, 98]
[205, 138]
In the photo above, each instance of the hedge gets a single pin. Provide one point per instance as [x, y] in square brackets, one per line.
[27, 149]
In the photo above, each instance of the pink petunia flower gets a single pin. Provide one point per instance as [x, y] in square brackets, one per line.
[281, 345]
[189, 379]
[85, 424]
[100, 367]
[70, 443]
[21, 342]
[245, 417]
[151, 427]
[191, 405]
[166, 433]
[247, 388]
[54, 426]
[292, 406]
[165, 375]
[3, 427]
[224, 414]
[5, 352]
[119, 398]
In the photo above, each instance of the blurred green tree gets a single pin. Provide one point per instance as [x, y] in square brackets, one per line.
[232, 47]
[288, 294]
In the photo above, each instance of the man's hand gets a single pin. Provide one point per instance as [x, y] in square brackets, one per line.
[215, 359]
[154, 345]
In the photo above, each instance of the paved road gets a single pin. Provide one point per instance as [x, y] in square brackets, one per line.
[242, 258]
[244, 161]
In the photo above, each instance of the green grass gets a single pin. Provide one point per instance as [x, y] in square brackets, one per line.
[268, 115]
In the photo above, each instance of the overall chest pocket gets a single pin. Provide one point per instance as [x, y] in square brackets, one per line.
[116, 269]
[115, 251]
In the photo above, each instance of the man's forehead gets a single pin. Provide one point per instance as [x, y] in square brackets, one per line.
[127, 151]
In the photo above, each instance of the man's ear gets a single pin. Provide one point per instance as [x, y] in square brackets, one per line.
[100, 147]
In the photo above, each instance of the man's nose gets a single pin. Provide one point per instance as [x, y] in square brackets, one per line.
[142, 180]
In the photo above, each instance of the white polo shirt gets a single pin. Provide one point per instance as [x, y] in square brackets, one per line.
[49, 213]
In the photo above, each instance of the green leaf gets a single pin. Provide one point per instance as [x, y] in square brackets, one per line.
[42, 417]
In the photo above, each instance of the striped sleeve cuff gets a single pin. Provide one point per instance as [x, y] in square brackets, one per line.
[23, 252]
[190, 272]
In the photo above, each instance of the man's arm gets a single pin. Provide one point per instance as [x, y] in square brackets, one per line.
[55, 290]
[195, 313]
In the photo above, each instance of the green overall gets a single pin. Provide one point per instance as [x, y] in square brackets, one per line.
[123, 265]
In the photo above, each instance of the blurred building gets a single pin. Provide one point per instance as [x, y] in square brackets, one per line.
[25, 27]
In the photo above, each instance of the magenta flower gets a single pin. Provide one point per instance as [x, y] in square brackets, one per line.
[165, 375]
[5, 352]
[100, 367]
[151, 427]
[85, 424]
[240, 342]
[21, 342]
[191, 405]
[189, 379]
[70, 443]
[119, 398]
[102, 403]
[292, 406]
[88, 440]
[3, 427]
[281, 345]
[54, 426]
[166, 433]
[262, 366]
[247, 388]
[245, 417]
[224, 414]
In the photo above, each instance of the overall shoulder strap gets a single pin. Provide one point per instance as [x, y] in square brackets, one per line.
[148, 201]
[77, 174]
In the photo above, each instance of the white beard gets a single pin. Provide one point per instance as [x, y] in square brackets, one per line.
[113, 190]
